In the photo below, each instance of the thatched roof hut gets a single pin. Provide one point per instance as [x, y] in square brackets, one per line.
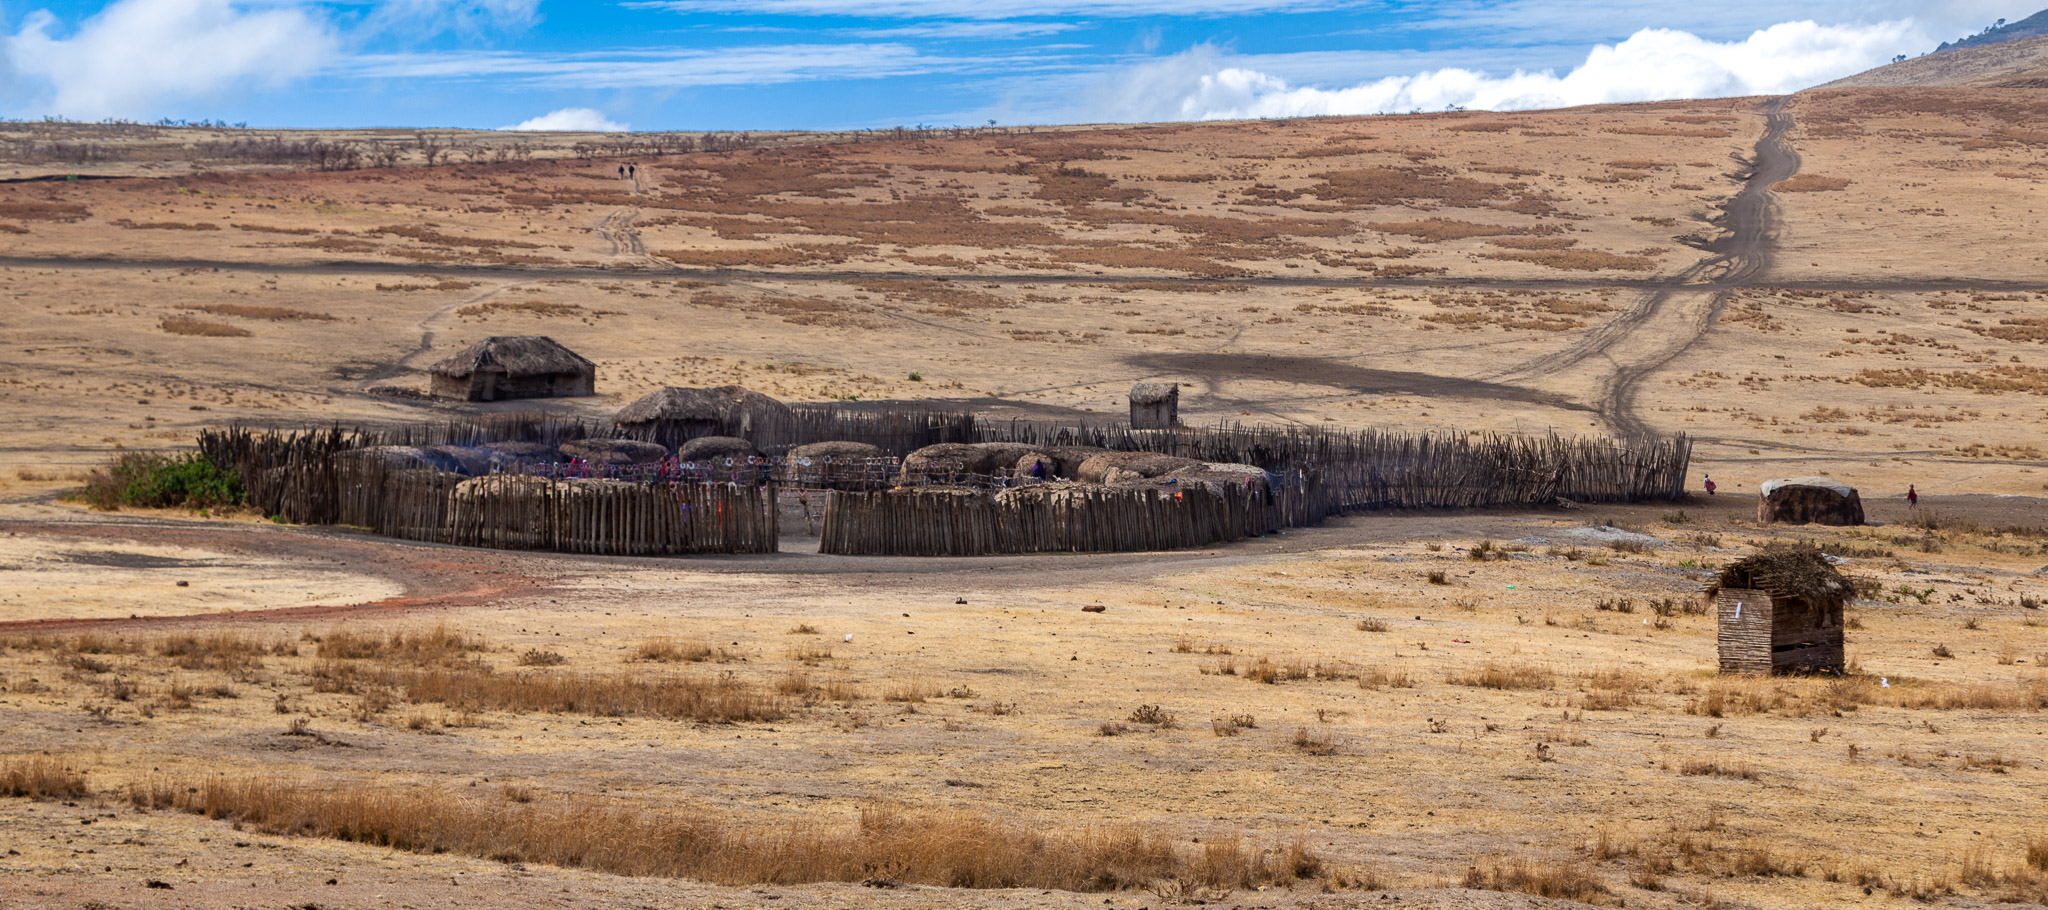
[1155, 405]
[615, 451]
[514, 366]
[675, 415]
[839, 465]
[522, 452]
[1808, 500]
[1780, 611]
[1108, 467]
[951, 461]
[716, 448]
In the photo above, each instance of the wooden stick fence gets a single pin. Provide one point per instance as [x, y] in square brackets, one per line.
[312, 477]
[520, 512]
[1051, 518]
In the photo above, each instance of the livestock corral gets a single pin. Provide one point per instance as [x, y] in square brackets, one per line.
[534, 482]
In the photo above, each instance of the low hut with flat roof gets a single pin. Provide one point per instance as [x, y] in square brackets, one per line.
[1808, 500]
[1780, 611]
[504, 367]
[1155, 406]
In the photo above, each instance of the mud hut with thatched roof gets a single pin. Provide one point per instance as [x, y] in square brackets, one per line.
[1780, 611]
[514, 366]
[1155, 406]
[1808, 500]
[675, 415]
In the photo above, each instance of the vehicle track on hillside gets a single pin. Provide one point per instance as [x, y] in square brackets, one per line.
[1742, 257]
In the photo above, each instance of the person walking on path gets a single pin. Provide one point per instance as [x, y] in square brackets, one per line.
[1912, 497]
[1709, 484]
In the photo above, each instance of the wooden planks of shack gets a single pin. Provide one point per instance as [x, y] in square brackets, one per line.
[1764, 633]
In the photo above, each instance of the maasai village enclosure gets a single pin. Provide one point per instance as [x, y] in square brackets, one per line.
[1276, 514]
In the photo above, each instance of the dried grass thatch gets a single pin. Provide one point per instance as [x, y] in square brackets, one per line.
[708, 448]
[1097, 468]
[615, 451]
[726, 410]
[1795, 572]
[837, 451]
[514, 355]
[952, 459]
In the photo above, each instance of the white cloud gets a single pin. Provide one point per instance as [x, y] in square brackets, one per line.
[135, 56]
[570, 120]
[678, 68]
[968, 31]
[1652, 65]
[995, 9]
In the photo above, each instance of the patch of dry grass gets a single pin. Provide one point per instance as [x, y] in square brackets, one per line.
[945, 849]
[1497, 675]
[188, 325]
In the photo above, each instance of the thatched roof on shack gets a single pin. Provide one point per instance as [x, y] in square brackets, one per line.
[721, 404]
[1154, 392]
[514, 355]
[1789, 572]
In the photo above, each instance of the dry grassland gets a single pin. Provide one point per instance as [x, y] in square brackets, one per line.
[1545, 721]
[1418, 702]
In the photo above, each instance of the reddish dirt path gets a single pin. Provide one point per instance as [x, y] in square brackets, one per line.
[432, 577]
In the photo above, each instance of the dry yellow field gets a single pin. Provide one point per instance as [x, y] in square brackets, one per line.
[1309, 720]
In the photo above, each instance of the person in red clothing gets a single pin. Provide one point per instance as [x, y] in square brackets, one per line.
[1912, 496]
[1710, 485]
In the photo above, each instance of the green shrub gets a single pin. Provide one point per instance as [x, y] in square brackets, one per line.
[151, 480]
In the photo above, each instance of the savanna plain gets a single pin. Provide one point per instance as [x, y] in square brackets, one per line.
[1465, 709]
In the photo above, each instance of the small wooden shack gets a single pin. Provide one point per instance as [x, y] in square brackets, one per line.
[514, 366]
[1808, 500]
[1780, 611]
[1155, 406]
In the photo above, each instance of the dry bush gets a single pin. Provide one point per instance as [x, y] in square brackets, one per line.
[1579, 260]
[1702, 768]
[1496, 675]
[944, 849]
[187, 325]
[44, 211]
[165, 225]
[478, 688]
[668, 650]
[436, 645]
[444, 284]
[223, 651]
[1534, 243]
[1432, 230]
[1810, 183]
[911, 691]
[539, 308]
[1321, 741]
[535, 657]
[247, 311]
[1379, 678]
[1545, 877]
[40, 777]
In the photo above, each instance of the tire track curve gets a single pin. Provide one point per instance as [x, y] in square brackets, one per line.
[1742, 256]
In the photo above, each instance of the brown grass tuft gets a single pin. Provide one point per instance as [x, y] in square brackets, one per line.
[1547, 877]
[1496, 675]
[40, 777]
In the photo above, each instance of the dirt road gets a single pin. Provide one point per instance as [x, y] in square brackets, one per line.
[1668, 319]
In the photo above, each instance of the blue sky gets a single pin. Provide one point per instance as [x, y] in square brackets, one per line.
[829, 64]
